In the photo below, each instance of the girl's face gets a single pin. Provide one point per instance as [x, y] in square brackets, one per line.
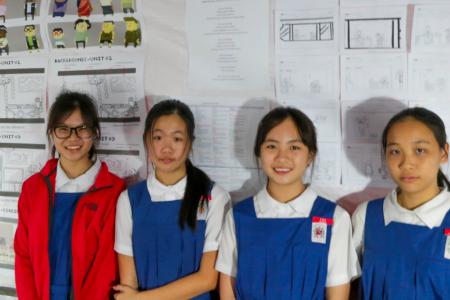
[284, 158]
[72, 139]
[169, 146]
[413, 158]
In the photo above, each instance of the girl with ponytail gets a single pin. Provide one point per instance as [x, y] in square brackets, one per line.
[404, 239]
[168, 227]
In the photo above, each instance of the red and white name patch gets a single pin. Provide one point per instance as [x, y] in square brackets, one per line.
[319, 229]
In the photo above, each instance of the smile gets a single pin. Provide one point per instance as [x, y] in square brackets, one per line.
[281, 170]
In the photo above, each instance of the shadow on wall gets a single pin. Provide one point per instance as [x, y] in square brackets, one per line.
[363, 125]
[246, 123]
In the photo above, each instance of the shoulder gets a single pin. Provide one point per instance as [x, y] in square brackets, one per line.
[219, 193]
[107, 177]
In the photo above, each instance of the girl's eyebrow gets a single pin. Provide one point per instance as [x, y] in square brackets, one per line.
[414, 142]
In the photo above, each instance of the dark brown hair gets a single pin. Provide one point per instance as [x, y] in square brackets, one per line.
[65, 104]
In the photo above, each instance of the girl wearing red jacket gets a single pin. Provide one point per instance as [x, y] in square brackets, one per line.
[65, 235]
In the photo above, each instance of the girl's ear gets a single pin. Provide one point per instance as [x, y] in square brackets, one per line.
[311, 157]
[444, 157]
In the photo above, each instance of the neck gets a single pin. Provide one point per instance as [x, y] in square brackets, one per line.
[285, 193]
[75, 169]
[413, 200]
[170, 178]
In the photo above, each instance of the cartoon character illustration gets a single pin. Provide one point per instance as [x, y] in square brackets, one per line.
[84, 8]
[81, 32]
[59, 8]
[30, 37]
[3, 40]
[58, 37]
[127, 6]
[29, 9]
[107, 34]
[3, 8]
[133, 32]
[106, 7]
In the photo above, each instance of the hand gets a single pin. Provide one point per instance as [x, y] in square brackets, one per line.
[124, 292]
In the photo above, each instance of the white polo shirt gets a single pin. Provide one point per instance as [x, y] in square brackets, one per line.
[214, 215]
[80, 184]
[342, 259]
[430, 214]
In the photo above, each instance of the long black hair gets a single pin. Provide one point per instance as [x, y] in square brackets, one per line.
[198, 183]
[65, 104]
[429, 119]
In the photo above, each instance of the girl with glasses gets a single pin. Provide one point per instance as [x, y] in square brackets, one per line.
[65, 235]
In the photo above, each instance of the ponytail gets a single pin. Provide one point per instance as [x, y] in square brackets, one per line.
[442, 180]
[195, 195]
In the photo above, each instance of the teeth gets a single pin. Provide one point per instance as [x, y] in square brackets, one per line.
[282, 169]
[73, 147]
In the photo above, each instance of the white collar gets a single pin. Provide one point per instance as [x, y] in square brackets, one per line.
[265, 204]
[160, 192]
[80, 184]
[431, 213]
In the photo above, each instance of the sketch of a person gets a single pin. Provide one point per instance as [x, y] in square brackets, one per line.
[428, 36]
[81, 32]
[107, 8]
[59, 8]
[4, 47]
[3, 8]
[30, 37]
[58, 37]
[379, 40]
[29, 9]
[133, 32]
[107, 34]
[127, 6]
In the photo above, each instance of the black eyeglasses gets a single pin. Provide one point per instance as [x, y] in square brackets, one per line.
[82, 131]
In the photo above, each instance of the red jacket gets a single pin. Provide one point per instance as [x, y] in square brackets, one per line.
[94, 265]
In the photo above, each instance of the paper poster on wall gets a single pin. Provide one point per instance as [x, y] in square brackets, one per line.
[22, 100]
[306, 31]
[373, 28]
[431, 29]
[429, 77]
[364, 76]
[228, 44]
[307, 77]
[305, 4]
[115, 81]
[225, 131]
[22, 31]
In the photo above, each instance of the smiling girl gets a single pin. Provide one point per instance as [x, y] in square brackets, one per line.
[65, 236]
[286, 242]
[404, 238]
[168, 227]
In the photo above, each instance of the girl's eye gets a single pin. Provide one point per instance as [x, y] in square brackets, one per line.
[295, 147]
[420, 151]
[394, 152]
[270, 146]
[178, 139]
[156, 137]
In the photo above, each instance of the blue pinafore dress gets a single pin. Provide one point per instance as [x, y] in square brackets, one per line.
[404, 261]
[163, 252]
[277, 258]
[60, 245]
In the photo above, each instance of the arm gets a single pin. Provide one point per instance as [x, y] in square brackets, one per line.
[184, 288]
[339, 292]
[227, 284]
[25, 282]
[127, 271]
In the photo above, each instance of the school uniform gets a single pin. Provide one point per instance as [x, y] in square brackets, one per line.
[147, 228]
[64, 240]
[288, 250]
[405, 253]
